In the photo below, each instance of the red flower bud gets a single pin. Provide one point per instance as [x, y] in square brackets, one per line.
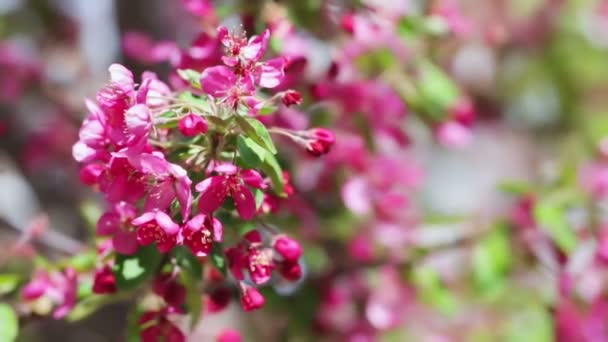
[104, 281]
[251, 298]
[321, 141]
[348, 23]
[291, 97]
[291, 271]
[192, 125]
[218, 299]
[90, 173]
[288, 248]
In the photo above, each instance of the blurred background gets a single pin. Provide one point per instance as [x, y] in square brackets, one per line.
[477, 214]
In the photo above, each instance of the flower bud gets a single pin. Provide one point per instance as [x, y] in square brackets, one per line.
[104, 281]
[288, 248]
[192, 125]
[229, 335]
[217, 299]
[251, 298]
[321, 141]
[291, 271]
[291, 97]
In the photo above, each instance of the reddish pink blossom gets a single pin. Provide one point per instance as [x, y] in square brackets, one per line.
[157, 327]
[454, 134]
[117, 223]
[199, 234]
[291, 271]
[60, 287]
[231, 182]
[158, 227]
[229, 335]
[251, 298]
[104, 281]
[192, 125]
[168, 182]
[288, 248]
[217, 299]
[166, 286]
[253, 256]
[320, 141]
[291, 97]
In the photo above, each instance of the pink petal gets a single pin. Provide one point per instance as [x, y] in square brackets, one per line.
[213, 193]
[125, 242]
[244, 202]
[166, 223]
[256, 47]
[108, 224]
[271, 73]
[253, 179]
[217, 80]
[122, 77]
[139, 121]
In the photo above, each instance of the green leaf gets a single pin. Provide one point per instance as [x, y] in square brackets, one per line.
[551, 218]
[132, 270]
[259, 197]
[9, 282]
[515, 188]
[191, 76]
[83, 262]
[9, 323]
[273, 170]
[432, 290]
[88, 306]
[491, 259]
[188, 262]
[267, 110]
[530, 325]
[218, 259]
[256, 130]
[437, 89]
[199, 103]
[252, 154]
[169, 119]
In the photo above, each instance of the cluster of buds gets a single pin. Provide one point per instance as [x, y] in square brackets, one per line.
[173, 164]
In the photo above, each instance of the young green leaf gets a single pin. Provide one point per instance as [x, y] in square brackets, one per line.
[191, 76]
[273, 170]
[9, 282]
[257, 132]
[252, 154]
[9, 323]
[218, 259]
[552, 219]
[132, 270]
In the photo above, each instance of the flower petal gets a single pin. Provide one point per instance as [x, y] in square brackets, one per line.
[217, 80]
[213, 193]
[244, 202]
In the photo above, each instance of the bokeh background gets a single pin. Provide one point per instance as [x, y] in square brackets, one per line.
[502, 236]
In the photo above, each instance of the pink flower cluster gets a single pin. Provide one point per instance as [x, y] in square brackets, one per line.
[142, 147]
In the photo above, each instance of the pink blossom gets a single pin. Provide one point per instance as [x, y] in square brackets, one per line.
[251, 298]
[454, 134]
[233, 183]
[158, 327]
[156, 227]
[229, 335]
[117, 223]
[200, 232]
[288, 248]
[104, 281]
[192, 125]
[169, 182]
[59, 287]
